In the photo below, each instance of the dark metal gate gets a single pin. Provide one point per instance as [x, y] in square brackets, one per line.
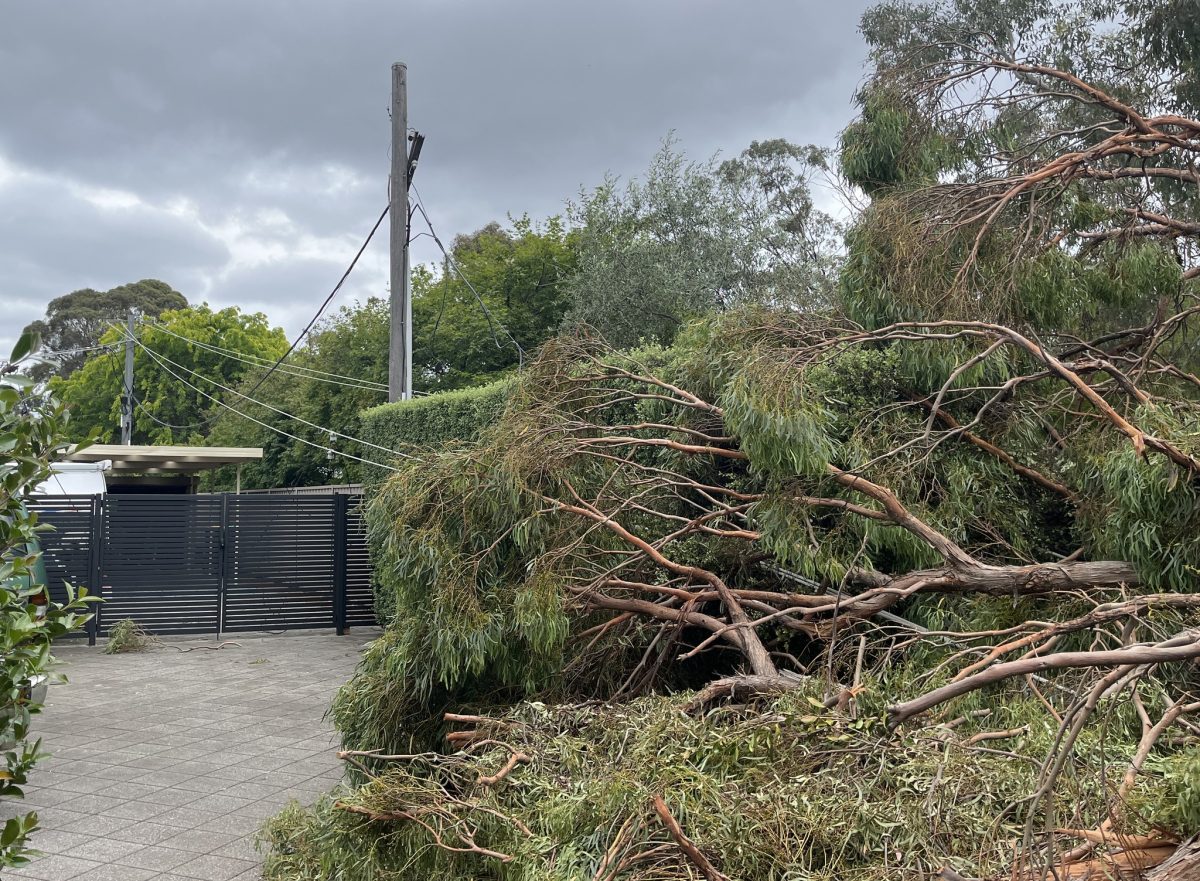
[216, 563]
[161, 562]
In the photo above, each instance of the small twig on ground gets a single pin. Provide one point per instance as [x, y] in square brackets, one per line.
[209, 647]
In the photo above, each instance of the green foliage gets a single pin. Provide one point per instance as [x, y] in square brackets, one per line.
[891, 145]
[1172, 800]
[937, 128]
[894, 272]
[33, 429]
[450, 558]
[352, 344]
[1143, 512]
[782, 792]
[129, 636]
[518, 273]
[168, 410]
[426, 423]
[694, 237]
[79, 319]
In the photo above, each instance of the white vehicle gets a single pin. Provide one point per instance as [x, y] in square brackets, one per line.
[75, 479]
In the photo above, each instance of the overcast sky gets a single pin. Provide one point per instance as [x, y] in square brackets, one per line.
[238, 149]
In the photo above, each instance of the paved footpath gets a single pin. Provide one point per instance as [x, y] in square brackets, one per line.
[165, 763]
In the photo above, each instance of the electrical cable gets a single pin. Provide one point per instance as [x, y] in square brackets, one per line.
[337, 287]
[290, 369]
[280, 431]
[159, 358]
[49, 353]
[141, 406]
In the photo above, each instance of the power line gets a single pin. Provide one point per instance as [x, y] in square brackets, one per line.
[160, 358]
[337, 287]
[146, 410]
[491, 320]
[290, 369]
[50, 353]
[280, 431]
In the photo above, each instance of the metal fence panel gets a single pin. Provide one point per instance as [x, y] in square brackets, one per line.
[161, 562]
[69, 545]
[360, 595]
[213, 563]
[279, 562]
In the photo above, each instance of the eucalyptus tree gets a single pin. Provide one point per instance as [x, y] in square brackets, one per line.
[977, 473]
[75, 322]
[689, 238]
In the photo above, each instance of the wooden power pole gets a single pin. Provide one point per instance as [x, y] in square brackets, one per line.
[127, 397]
[400, 352]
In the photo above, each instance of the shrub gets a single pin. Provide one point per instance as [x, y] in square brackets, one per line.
[32, 434]
[434, 420]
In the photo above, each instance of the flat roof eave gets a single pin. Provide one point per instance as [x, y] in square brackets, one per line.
[151, 458]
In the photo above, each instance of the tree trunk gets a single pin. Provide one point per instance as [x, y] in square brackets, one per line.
[1183, 865]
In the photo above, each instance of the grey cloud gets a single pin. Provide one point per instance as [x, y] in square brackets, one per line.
[290, 291]
[53, 241]
[281, 105]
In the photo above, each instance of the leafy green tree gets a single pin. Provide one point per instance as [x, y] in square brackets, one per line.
[695, 237]
[518, 273]
[177, 369]
[78, 320]
[32, 434]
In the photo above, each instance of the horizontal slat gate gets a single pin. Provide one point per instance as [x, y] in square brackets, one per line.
[279, 562]
[213, 563]
[68, 546]
[161, 563]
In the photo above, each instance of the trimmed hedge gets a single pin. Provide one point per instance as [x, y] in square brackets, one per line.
[425, 422]
[435, 420]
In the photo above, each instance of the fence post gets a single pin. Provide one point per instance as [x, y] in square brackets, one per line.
[341, 513]
[95, 565]
[223, 579]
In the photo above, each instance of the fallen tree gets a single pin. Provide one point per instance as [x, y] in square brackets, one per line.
[901, 589]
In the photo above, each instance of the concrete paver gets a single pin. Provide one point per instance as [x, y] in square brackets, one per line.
[165, 763]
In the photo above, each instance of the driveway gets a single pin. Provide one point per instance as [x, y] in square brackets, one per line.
[165, 763]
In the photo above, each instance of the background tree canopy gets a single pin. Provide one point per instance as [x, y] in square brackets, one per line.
[518, 273]
[78, 320]
[692, 237]
[337, 373]
[168, 410]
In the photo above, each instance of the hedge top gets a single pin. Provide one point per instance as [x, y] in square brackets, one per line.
[437, 419]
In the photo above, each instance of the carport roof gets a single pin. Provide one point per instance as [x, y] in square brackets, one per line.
[134, 459]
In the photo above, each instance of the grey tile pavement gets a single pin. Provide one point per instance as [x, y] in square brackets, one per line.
[164, 764]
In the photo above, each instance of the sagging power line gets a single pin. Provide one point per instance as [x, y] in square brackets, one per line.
[163, 364]
[296, 370]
